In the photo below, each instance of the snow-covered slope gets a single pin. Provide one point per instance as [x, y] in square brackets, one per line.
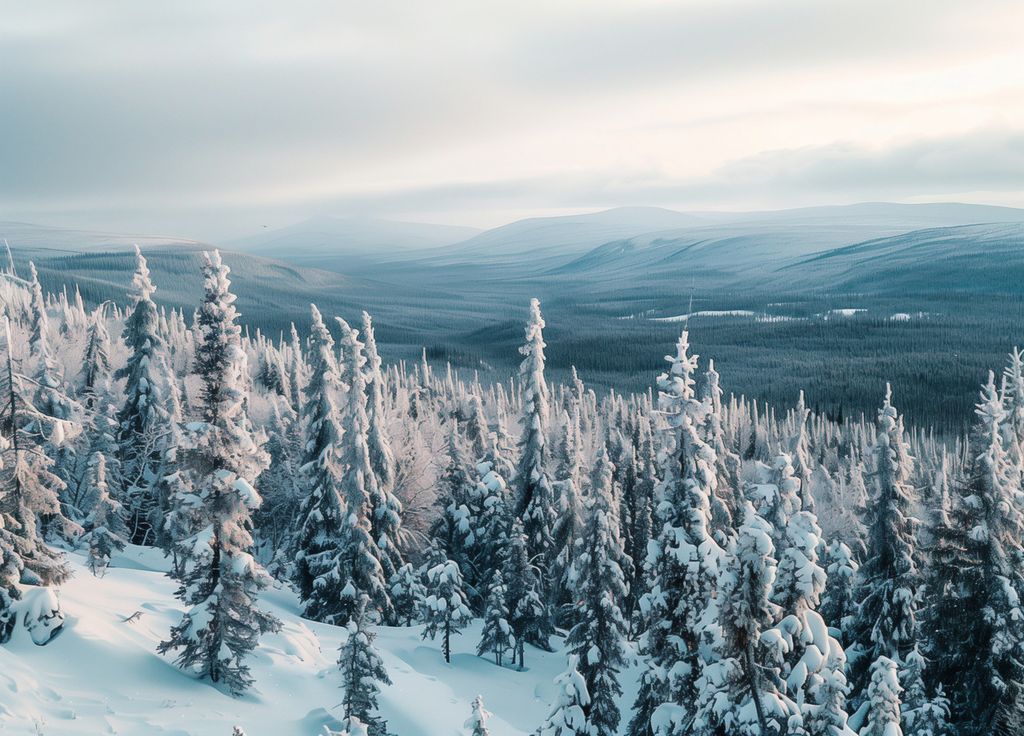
[102, 674]
[893, 215]
[564, 235]
[347, 236]
[24, 237]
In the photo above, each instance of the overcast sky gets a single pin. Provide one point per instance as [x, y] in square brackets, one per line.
[213, 119]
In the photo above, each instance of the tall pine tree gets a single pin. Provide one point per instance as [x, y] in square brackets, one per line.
[386, 516]
[885, 624]
[977, 626]
[683, 559]
[143, 422]
[323, 510]
[360, 561]
[535, 499]
[221, 577]
[362, 670]
[599, 585]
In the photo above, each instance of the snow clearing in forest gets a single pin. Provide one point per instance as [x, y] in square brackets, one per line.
[102, 675]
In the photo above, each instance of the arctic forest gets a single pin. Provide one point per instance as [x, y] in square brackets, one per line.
[512, 368]
[209, 530]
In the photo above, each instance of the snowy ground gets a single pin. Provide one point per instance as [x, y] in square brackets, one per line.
[102, 675]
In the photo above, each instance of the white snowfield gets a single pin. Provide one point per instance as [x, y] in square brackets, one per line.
[102, 675]
[707, 313]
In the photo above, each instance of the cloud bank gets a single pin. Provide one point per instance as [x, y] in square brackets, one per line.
[213, 119]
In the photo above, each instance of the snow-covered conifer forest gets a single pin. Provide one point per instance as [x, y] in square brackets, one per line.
[214, 531]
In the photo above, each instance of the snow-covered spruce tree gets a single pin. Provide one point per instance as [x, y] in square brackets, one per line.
[386, 517]
[642, 518]
[624, 477]
[885, 624]
[1013, 398]
[477, 721]
[599, 586]
[478, 433]
[931, 718]
[945, 560]
[740, 691]
[856, 506]
[100, 421]
[534, 496]
[362, 670]
[724, 502]
[626, 482]
[50, 399]
[95, 373]
[568, 715]
[282, 488]
[455, 526]
[431, 557]
[838, 602]
[180, 511]
[569, 517]
[9, 268]
[30, 486]
[493, 521]
[505, 449]
[105, 526]
[444, 609]
[800, 454]
[526, 609]
[407, 594]
[361, 563]
[782, 499]
[297, 370]
[800, 580]
[813, 661]
[682, 561]
[143, 419]
[975, 621]
[221, 577]
[271, 374]
[323, 511]
[757, 443]
[883, 700]
[496, 638]
[826, 712]
[945, 553]
[922, 715]
[11, 567]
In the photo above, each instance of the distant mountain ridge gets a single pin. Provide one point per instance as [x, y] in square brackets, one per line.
[354, 235]
[570, 243]
[29, 236]
[572, 232]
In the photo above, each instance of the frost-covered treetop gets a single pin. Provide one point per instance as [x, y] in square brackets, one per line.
[535, 388]
[678, 382]
[896, 460]
[568, 717]
[40, 321]
[141, 288]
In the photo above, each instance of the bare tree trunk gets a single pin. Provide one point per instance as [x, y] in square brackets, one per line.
[754, 694]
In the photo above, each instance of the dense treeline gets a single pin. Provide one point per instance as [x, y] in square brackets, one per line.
[933, 360]
[777, 572]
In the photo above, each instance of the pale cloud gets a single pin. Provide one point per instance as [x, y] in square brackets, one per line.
[210, 119]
